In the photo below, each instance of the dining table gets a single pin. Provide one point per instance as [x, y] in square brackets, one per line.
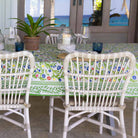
[48, 76]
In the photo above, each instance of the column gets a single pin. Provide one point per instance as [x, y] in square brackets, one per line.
[52, 10]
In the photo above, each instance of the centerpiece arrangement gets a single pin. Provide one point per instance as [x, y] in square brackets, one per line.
[33, 29]
[66, 40]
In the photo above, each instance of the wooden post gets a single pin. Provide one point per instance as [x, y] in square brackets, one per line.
[132, 21]
[21, 12]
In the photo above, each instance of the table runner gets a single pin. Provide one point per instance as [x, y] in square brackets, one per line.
[48, 77]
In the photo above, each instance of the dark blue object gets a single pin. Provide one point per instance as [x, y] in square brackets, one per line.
[19, 46]
[97, 46]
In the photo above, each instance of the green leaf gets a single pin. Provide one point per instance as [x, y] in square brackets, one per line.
[31, 21]
[35, 28]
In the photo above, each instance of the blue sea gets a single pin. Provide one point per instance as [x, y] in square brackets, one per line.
[64, 20]
[119, 21]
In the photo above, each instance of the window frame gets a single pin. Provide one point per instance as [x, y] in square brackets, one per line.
[105, 28]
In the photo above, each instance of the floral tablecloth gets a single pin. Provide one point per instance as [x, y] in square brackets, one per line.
[48, 77]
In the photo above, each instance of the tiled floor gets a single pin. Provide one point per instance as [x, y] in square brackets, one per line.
[39, 117]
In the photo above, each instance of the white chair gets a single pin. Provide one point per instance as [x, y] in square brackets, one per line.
[95, 83]
[135, 109]
[15, 78]
[81, 39]
[51, 39]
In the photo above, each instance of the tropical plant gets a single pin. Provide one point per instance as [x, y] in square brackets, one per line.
[34, 28]
[98, 4]
[96, 18]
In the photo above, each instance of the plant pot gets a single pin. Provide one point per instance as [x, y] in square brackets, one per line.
[31, 43]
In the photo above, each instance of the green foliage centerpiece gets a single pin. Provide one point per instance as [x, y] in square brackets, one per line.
[33, 29]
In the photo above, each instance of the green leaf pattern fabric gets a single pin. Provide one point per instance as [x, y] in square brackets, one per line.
[48, 77]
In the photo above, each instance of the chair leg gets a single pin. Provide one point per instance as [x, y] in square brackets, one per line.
[51, 104]
[101, 120]
[53, 40]
[134, 117]
[110, 121]
[122, 124]
[83, 41]
[66, 122]
[44, 97]
[27, 122]
[24, 120]
[80, 40]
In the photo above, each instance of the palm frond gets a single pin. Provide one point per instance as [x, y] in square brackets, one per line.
[35, 28]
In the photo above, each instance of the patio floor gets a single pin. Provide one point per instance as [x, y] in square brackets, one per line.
[39, 117]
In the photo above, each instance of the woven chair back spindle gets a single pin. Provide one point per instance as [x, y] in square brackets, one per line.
[52, 39]
[97, 80]
[15, 77]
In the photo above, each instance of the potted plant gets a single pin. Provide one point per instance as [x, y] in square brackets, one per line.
[96, 18]
[33, 29]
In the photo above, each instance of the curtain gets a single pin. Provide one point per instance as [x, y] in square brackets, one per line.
[8, 9]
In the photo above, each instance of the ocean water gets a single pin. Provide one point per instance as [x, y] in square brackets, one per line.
[119, 21]
[64, 20]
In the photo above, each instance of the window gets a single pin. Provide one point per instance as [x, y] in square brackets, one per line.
[92, 13]
[35, 8]
[87, 12]
[61, 11]
[105, 19]
[119, 12]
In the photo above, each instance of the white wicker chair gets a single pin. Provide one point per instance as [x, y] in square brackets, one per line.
[135, 109]
[15, 77]
[51, 39]
[92, 85]
[81, 39]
